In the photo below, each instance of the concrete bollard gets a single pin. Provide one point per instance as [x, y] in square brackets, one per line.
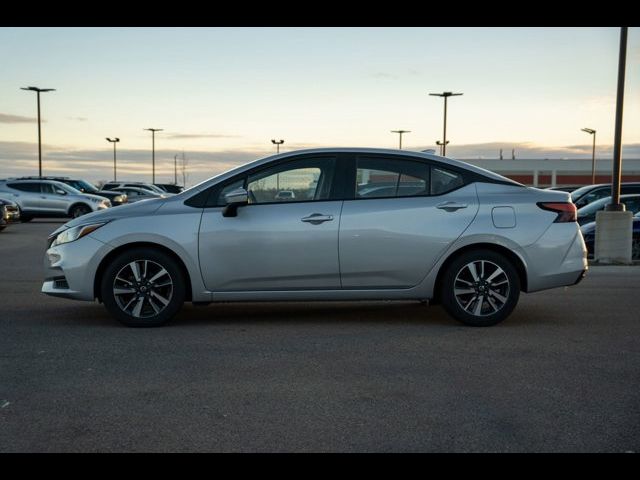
[613, 237]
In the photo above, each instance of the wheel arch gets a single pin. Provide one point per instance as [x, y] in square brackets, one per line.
[500, 249]
[118, 250]
[78, 204]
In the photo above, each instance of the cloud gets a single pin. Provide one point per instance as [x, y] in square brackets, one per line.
[181, 136]
[78, 119]
[21, 158]
[531, 150]
[7, 118]
[384, 75]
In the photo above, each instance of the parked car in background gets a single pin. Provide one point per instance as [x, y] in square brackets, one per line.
[49, 198]
[589, 233]
[285, 196]
[86, 187]
[9, 212]
[587, 213]
[135, 194]
[567, 188]
[146, 186]
[470, 239]
[170, 187]
[590, 193]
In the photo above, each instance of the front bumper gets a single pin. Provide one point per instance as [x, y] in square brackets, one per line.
[70, 268]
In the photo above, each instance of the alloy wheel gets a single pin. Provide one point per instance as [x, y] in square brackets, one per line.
[481, 288]
[142, 288]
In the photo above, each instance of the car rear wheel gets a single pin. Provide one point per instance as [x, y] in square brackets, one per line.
[143, 288]
[480, 288]
[79, 210]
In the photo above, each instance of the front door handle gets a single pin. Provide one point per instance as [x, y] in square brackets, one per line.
[317, 218]
[451, 206]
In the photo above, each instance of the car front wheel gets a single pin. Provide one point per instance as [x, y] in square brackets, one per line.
[480, 288]
[79, 210]
[143, 288]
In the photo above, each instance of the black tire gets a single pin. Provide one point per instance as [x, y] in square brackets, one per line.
[25, 218]
[635, 248]
[79, 210]
[470, 298]
[119, 304]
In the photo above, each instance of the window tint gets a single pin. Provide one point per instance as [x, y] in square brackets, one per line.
[632, 204]
[390, 177]
[26, 187]
[596, 195]
[443, 180]
[630, 189]
[47, 188]
[296, 181]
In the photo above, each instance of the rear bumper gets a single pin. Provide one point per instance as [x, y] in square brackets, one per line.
[557, 259]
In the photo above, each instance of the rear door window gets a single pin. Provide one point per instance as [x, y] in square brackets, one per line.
[26, 186]
[380, 177]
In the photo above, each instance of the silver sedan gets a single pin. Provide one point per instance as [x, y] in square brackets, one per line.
[360, 224]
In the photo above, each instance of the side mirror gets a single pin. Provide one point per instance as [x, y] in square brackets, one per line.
[235, 198]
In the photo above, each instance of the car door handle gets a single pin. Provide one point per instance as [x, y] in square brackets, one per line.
[451, 206]
[317, 218]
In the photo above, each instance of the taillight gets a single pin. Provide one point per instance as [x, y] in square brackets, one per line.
[566, 211]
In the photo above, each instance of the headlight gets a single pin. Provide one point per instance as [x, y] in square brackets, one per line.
[118, 199]
[75, 233]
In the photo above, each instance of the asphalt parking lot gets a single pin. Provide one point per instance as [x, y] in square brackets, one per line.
[562, 374]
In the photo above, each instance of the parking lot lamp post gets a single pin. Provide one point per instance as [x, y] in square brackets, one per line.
[591, 131]
[153, 152]
[400, 132]
[38, 90]
[445, 95]
[440, 144]
[114, 141]
[277, 144]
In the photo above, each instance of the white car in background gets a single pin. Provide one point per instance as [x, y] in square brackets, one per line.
[135, 194]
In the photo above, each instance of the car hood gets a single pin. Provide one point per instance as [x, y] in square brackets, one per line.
[143, 207]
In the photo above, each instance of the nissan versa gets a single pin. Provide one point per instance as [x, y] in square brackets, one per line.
[359, 224]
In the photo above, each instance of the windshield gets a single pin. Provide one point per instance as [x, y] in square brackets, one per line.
[68, 188]
[578, 192]
[82, 186]
[594, 206]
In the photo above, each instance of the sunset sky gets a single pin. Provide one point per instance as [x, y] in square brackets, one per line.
[221, 94]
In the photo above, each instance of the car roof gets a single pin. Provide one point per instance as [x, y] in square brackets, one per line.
[361, 150]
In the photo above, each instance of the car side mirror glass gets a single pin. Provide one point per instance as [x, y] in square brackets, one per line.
[235, 198]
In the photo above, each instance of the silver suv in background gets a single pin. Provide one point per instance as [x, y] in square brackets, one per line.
[49, 198]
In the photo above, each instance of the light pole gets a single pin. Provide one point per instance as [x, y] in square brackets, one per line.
[114, 141]
[445, 95]
[615, 204]
[591, 131]
[440, 144]
[175, 169]
[400, 132]
[38, 90]
[153, 151]
[277, 144]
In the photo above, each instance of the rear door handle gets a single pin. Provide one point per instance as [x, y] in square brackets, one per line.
[317, 218]
[451, 206]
